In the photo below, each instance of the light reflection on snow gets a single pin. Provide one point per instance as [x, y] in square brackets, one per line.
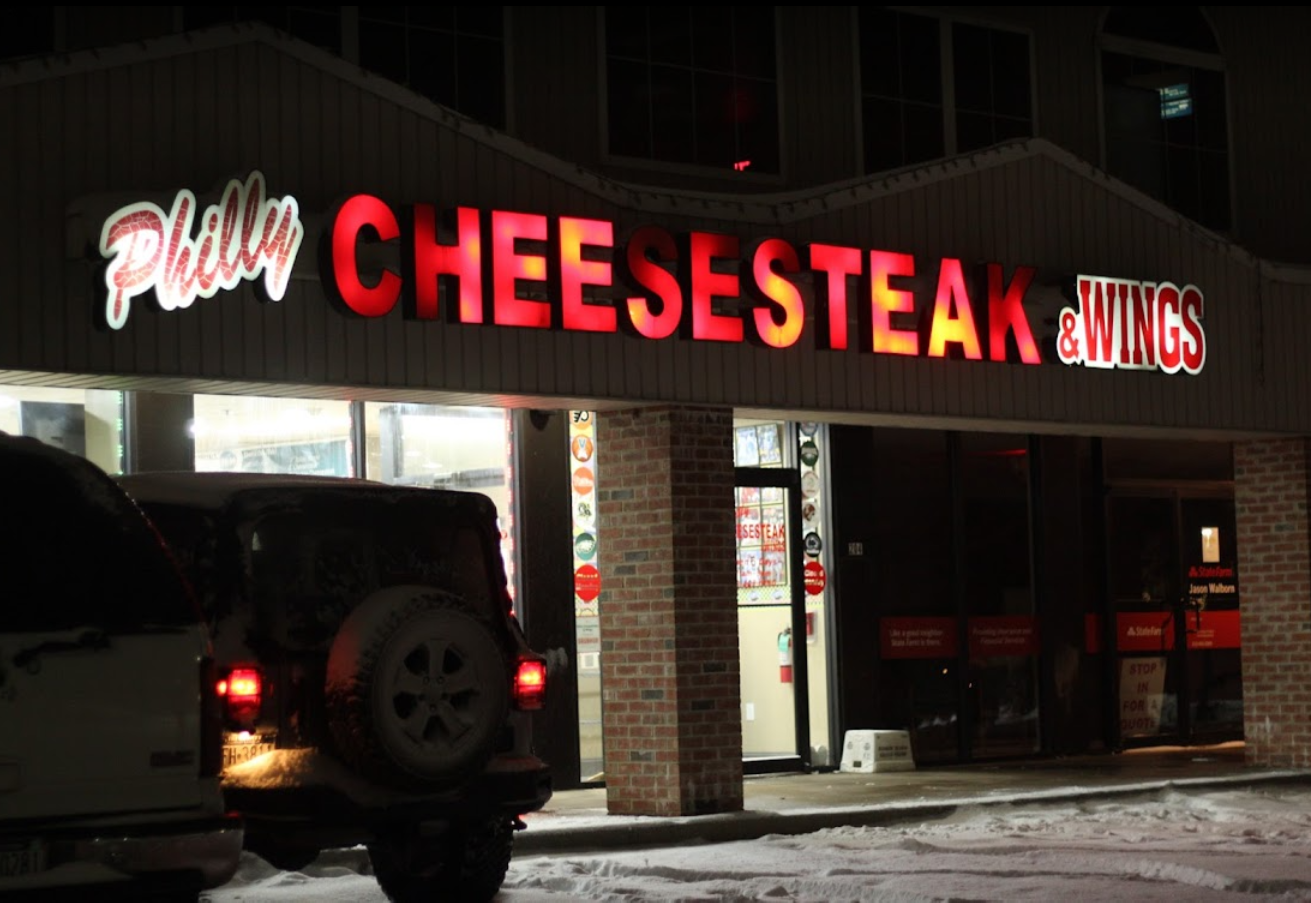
[1171, 845]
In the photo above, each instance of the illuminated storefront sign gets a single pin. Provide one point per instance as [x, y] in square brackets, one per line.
[670, 284]
[529, 270]
[241, 237]
[1131, 325]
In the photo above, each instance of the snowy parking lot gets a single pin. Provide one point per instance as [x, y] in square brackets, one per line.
[1250, 844]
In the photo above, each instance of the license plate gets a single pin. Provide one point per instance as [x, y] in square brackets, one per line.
[26, 861]
[237, 753]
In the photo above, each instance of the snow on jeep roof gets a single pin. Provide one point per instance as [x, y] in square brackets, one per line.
[218, 489]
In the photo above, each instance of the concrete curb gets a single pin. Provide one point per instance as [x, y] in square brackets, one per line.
[555, 836]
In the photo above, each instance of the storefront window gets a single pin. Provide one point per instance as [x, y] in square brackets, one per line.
[446, 447]
[913, 557]
[87, 422]
[273, 435]
[997, 577]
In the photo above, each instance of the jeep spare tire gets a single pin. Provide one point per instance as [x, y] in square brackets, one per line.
[417, 689]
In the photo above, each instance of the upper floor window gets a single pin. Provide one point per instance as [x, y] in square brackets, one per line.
[1164, 111]
[693, 85]
[931, 87]
[454, 55]
[32, 34]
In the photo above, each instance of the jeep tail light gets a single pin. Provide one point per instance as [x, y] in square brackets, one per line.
[211, 721]
[240, 691]
[529, 691]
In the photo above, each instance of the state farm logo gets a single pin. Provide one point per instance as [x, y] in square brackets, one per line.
[1143, 632]
[243, 236]
[1128, 325]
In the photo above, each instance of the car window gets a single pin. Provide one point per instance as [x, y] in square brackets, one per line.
[314, 566]
[76, 552]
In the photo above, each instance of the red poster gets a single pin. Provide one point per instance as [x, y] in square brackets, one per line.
[1003, 635]
[1213, 630]
[917, 637]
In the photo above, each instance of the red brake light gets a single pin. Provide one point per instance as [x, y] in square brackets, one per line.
[241, 692]
[530, 684]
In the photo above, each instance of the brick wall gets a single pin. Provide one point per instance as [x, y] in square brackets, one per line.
[668, 609]
[1274, 548]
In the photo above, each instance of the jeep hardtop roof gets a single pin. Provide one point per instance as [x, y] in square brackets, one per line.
[218, 490]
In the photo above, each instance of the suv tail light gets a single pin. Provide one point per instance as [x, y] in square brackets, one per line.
[241, 691]
[529, 691]
[211, 721]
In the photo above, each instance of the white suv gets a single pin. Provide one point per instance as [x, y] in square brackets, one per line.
[110, 725]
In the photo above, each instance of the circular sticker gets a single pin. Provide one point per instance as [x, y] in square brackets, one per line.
[808, 428]
[581, 421]
[810, 485]
[815, 578]
[582, 447]
[809, 512]
[587, 583]
[809, 453]
[583, 480]
[583, 513]
[585, 546]
[814, 545]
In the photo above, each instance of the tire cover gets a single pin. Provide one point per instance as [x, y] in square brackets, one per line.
[417, 689]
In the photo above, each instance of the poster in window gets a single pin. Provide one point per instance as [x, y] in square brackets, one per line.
[749, 568]
[747, 450]
[769, 445]
[773, 527]
[55, 423]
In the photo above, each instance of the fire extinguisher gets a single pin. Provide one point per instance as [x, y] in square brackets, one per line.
[785, 656]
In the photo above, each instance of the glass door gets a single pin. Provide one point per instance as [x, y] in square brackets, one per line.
[1174, 607]
[771, 620]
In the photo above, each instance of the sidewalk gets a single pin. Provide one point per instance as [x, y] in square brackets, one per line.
[576, 821]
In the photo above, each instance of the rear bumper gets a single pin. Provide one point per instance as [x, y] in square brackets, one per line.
[324, 815]
[197, 854]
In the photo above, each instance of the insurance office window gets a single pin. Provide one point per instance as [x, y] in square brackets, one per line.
[907, 59]
[693, 85]
[1164, 109]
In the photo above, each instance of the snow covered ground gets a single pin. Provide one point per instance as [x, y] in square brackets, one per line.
[1169, 846]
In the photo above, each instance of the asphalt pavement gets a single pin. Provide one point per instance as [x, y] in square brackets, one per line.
[576, 821]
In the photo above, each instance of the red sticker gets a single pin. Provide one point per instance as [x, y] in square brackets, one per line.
[587, 583]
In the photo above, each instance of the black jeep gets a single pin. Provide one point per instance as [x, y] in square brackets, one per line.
[378, 687]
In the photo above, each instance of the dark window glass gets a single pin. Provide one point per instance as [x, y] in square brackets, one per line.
[30, 31]
[77, 553]
[454, 55]
[1177, 26]
[1166, 125]
[693, 85]
[901, 87]
[991, 77]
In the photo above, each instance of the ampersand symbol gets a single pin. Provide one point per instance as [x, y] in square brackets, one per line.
[1069, 342]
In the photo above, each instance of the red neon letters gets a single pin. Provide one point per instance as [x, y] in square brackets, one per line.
[534, 271]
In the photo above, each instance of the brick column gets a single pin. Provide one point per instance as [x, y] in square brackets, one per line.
[669, 650]
[1274, 573]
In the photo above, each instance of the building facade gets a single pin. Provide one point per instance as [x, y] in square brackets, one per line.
[936, 369]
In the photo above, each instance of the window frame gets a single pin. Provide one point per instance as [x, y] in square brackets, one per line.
[687, 169]
[1172, 55]
[947, 63]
